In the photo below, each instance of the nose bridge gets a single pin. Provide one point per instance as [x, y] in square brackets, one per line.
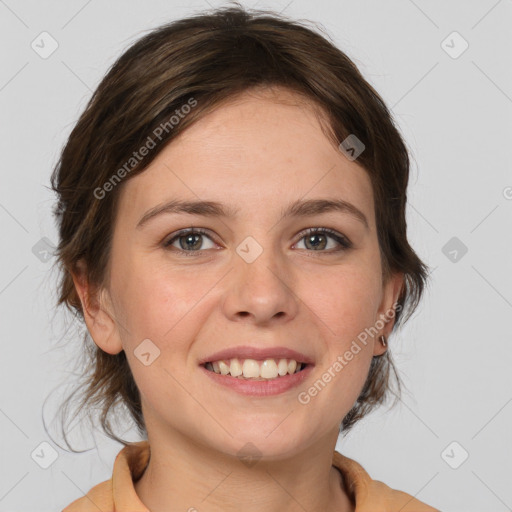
[260, 266]
[260, 283]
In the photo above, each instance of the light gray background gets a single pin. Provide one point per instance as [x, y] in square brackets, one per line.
[455, 353]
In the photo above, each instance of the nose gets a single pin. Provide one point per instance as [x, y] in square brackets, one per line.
[261, 292]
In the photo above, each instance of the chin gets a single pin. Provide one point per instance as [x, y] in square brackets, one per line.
[268, 443]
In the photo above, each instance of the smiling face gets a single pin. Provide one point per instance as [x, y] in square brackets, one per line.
[200, 293]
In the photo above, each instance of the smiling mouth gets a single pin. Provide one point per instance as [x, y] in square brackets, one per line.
[253, 369]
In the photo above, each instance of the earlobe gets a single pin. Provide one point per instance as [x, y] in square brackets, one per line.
[387, 311]
[98, 316]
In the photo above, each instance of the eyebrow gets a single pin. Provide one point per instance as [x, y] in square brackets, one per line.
[299, 208]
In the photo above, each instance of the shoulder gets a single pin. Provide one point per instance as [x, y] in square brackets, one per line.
[369, 495]
[98, 498]
[118, 493]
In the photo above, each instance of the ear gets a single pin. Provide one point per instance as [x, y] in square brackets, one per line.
[386, 313]
[98, 312]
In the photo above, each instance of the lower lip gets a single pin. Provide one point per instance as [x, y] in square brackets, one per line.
[260, 387]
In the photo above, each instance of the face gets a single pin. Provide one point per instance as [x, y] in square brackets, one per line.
[256, 278]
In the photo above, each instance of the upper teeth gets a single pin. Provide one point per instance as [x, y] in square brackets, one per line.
[251, 368]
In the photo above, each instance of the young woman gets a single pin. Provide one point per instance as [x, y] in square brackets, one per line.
[232, 232]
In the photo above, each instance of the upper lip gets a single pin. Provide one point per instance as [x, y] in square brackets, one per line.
[248, 352]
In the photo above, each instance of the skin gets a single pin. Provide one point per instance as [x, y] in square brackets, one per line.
[259, 152]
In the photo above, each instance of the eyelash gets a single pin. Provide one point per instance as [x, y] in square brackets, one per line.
[342, 240]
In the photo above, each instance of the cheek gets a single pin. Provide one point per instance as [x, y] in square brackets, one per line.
[346, 300]
[344, 308]
[158, 304]
[162, 310]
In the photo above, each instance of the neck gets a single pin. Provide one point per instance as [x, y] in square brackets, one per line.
[182, 475]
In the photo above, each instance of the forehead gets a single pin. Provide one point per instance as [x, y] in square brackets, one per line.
[261, 146]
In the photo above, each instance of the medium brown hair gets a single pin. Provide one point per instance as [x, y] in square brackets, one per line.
[210, 58]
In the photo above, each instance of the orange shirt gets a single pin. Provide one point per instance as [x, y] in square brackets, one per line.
[118, 494]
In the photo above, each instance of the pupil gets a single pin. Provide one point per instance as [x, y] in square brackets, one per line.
[190, 238]
[312, 237]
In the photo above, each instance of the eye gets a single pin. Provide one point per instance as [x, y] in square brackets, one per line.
[316, 239]
[190, 240]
